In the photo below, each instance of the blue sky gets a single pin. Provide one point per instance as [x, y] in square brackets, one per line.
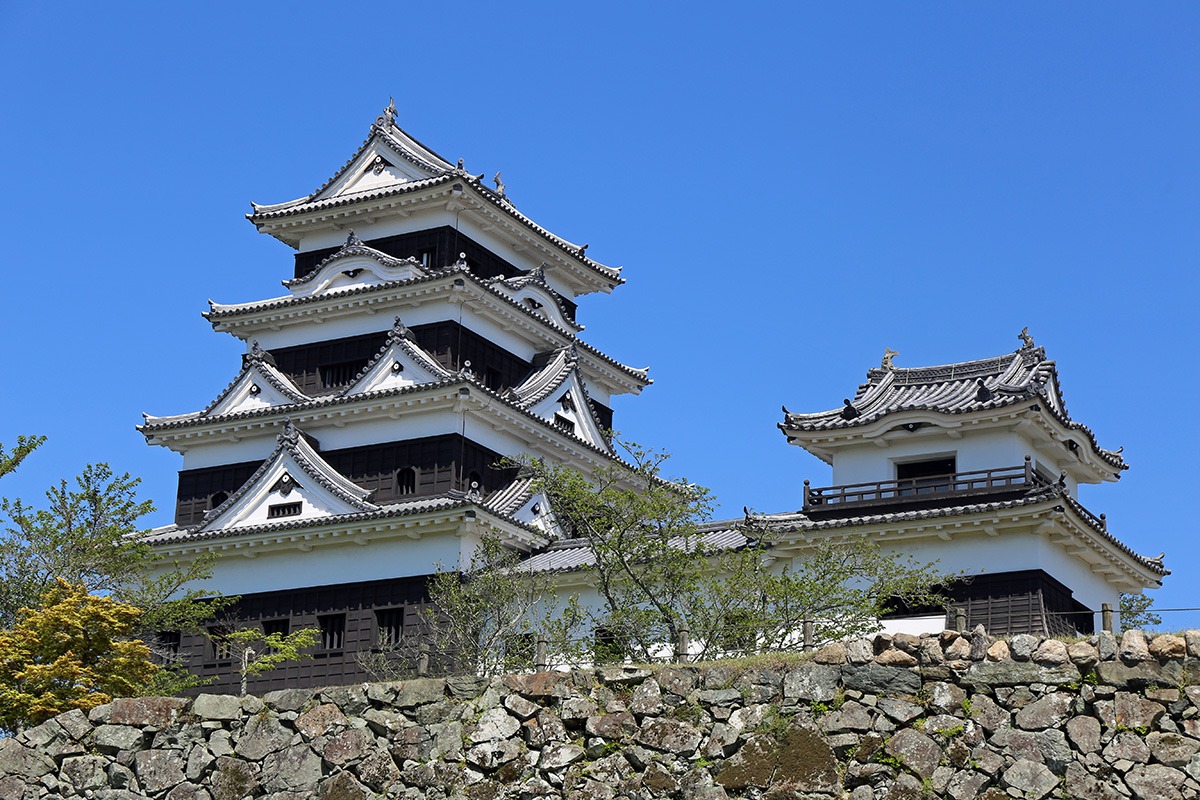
[790, 189]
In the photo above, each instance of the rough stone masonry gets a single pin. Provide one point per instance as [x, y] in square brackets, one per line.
[947, 716]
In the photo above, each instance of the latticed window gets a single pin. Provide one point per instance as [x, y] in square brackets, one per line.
[333, 631]
[222, 650]
[390, 622]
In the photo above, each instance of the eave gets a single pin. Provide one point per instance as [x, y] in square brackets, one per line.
[358, 529]
[1031, 418]
[457, 192]
[1062, 520]
[457, 395]
[452, 285]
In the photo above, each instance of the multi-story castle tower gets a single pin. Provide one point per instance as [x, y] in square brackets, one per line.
[428, 331]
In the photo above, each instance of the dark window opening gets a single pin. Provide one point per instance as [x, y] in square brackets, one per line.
[202, 490]
[925, 477]
[167, 644]
[563, 423]
[390, 623]
[334, 376]
[222, 648]
[607, 646]
[333, 631]
[278, 510]
[492, 378]
[281, 626]
[406, 481]
[427, 256]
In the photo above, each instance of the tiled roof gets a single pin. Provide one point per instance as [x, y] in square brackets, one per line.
[508, 501]
[259, 359]
[156, 424]
[174, 534]
[537, 278]
[775, 524]
[440, 170]
[353, 247]
[961, 388]
[220, 312]
[569, 555]
[291, 441]
[541, 382]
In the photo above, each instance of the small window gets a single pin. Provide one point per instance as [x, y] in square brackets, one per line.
[167, 643]
[492, 378]
[925, 477]
[277, 510]
[390, 622]
[334, 376]
[607, 646]
[406, 481]
[281, 626]
[222, 650]
[426, 257]
[333, 631]
[217, 499]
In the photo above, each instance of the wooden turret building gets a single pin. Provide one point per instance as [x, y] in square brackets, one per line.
[428, 330]
[975, 464]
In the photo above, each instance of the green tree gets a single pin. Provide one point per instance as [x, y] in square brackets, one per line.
[25, 446]
[660, 571]
[484, 620]
[1136, 612]
[256, 652]
[73, 651]
[87, 533]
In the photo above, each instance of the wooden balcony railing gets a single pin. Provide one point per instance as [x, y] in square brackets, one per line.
[904, 491]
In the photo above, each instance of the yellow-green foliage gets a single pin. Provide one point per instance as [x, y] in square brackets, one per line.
[73, 652]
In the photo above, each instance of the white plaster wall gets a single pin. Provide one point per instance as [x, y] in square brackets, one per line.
[215, 453]
[332, 564]
[867, 462]
[976, 553]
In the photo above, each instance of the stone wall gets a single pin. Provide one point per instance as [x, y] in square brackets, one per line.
[959, 716]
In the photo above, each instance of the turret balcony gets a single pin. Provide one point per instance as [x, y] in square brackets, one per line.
[927, 491]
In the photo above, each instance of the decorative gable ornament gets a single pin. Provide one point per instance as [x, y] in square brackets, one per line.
[400, 363]
[294, 483]
[354, 266]
[258, 385]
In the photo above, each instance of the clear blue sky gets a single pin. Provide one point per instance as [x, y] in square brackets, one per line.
[790, 187]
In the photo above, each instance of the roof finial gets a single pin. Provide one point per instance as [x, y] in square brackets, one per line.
[390, 111]
[1026, 339]
[256, 352]
[583, 250]
[539, 274]
[460, 165]
[888, 355]
[401, 330]
[462, 260]
[849, 411]
[289, 433]
[351, 239]
[499, 185]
